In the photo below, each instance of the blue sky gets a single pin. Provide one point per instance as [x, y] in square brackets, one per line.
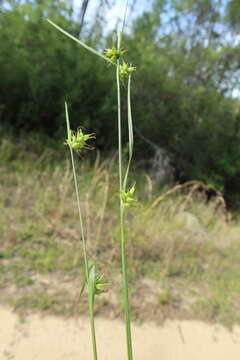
[117, 11]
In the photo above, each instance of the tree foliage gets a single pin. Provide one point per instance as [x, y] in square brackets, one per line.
[40, 69]
[187, 55]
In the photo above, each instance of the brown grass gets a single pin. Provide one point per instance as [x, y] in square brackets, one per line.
[183, 251]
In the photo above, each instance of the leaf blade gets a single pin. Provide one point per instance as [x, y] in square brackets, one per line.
[79, 41]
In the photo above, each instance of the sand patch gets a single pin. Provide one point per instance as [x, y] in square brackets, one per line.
[54, 338]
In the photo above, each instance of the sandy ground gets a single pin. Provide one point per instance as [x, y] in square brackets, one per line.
[52, 338]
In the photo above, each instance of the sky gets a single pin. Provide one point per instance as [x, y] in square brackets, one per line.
[116, 12]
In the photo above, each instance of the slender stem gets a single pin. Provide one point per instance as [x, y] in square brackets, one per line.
[90, 300]
[80, 216]
[125, 287]
[91, 314]
[123, 252]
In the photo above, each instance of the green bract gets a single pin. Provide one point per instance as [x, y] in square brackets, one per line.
[125, 70]
[127, 197]
[77, 140]
[114, 54]
[100, 284]
[96, 283]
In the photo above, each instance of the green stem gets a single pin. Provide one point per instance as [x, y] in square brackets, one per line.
[80, 216]
[123, 252]
[125, 287]
[90, 301]
[91, 314]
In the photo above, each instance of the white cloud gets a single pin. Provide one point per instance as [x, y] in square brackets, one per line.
[236, 94]
[115, 13]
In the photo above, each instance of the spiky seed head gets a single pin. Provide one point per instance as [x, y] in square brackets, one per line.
[125, 70]
[97, 285]
[100, 284]
[114, 54]
[77, 140]
[127, 197]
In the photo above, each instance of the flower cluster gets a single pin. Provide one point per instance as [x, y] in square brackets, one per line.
[100, 284]
[114, 54]
[125, 70]
[77, 140]
[127, 197]
[96, 283]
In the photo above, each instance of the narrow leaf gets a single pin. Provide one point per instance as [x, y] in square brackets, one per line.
[79, 41]
[130, 134]
[125, 16]
[67, 121]
[91, 282]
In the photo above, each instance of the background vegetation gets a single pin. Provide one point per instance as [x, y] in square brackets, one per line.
[186, 87]
[183, 248]
[183, 253]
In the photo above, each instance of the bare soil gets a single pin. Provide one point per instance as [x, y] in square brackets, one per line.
[35, 337]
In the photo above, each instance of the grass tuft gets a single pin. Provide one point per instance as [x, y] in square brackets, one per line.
[183, 260]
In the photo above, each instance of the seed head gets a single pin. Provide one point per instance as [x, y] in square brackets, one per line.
[100, 284]
[97, 285]
[77, 140]
[125, 70]
[114, 54]
[127, 197]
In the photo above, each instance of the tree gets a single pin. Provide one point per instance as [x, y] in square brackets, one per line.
[187, 58]
[186, 54]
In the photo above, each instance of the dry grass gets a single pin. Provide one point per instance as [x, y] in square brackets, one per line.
[183, 252]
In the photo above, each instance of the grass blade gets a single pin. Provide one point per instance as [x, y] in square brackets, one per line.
[79, 42]
[130, 134]
[125, 16]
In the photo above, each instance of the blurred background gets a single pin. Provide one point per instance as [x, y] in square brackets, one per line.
[185, 92]
[186, 114]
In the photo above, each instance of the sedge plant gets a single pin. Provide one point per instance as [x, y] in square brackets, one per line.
[95, 284]
[77, 141]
